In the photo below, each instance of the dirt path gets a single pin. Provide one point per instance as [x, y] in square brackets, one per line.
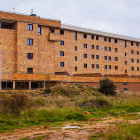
[67, 131]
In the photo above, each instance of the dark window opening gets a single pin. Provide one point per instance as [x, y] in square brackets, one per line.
[132, 68]
[125, 62]
[52, 30]
[75, 58]
[97, 38]
[85, 55]
[131, 43]
[30, 56]
[97, 66]
[116, 49]
[109, 39]
[30, 27]
[137, 68]
[85, 35]
[132, 52]
[125, 71]
[116, 67]
[115, 40]
[137, 44]
[30, 70]
[92, 56]
[30, 41]
[125, 83]
[61, 42]
[105, 66]
[39, 30]
[61, 53]
[109, 57]
[105, 39]
[75, 68]
[75, 48]
[110, 67]
[125, 54]
[92, 65]
[125, 89]
[137, 52]
[85, 45]
[109, 49]
[61, 64]
[75, 35]
[85, 65]
[137, 60]
[132, 60]
[125, 43]
[92, 46]
[61, 32]
[97, 56]
[92, 37]
[116, 58]
[105, 57]
[105, 48]
[97, 47]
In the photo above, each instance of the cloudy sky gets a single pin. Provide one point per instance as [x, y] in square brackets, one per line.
[114, 16]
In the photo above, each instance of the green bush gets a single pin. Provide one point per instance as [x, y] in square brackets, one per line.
[107, 87]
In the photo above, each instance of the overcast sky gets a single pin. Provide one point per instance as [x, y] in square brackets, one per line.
[114, 16]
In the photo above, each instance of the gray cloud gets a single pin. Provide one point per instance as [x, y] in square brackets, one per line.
[121, 16]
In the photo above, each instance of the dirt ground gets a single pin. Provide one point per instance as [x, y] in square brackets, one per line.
[66, 131]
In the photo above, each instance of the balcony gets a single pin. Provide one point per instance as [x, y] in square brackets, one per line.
[54, 37]
[5, 24]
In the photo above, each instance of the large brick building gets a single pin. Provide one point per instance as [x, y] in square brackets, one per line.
[36, 50]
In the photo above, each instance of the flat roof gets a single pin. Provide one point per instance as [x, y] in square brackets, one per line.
[101, 33]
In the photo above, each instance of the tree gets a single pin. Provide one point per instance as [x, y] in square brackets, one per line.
[107, 87]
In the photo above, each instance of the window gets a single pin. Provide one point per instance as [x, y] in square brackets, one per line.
[92, 46]
[109, 67]
[105, 66]
[61, 32]
[125, 62]
[125, 71]
[61, 53]
[137, 52]
[75, 58]
[75, 48]
[97, 38]
[30, 70]
[131, 43]
[109, 39]
[105, 57]
[125, 54]
[132, 68]
[105, 48]
[75, 68]
[97, 56]
[75, 35]
[116, 67]
[61, 42]
[92, 37]
[52, 30]
[137, 68]
[132, 52]
[97, 66]
[92, 56]
[124, 83]
[132, 60]
[85, 45]
[29, 55]
[105, 39]
[125, 89]
[30, 27]
[61, 64]
[116, 49]
[137, 60]
[85, 65]
[109, 48]
[92, 65]
[109, 57]
[97, 47]
[85, 55]
[39, 30]
[115, 40]
[125, 43]
[116, 58]
[85, 35]
[137, 44]
[30, 41]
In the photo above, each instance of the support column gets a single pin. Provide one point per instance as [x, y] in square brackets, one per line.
[29, 85]
[61, 83]
[44, 84]
[13, 84]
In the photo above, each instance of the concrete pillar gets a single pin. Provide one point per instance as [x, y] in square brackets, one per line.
[44, 84]
[0, 24]
[61, 83]
[14, 84]
[29, 85]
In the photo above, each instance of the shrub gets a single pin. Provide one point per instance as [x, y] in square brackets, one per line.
[107, 87]
[13, 103]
